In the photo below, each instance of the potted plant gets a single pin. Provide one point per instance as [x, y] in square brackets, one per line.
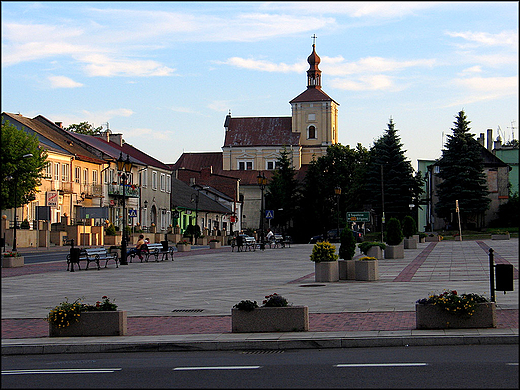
[111, 236]
[214, 243]
[367, 268]
[12, 259]
[450, 310]
[275, 315]
[500, 235]
[422, 237]
[325, 262]
[346, 252]
[394, 238]
[372, 249]
[409, 230]
[79, 319]
[183, 246]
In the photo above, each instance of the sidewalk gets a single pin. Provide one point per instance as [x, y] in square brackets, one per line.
[186, 304]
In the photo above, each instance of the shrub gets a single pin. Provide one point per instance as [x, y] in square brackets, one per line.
[275, 300]
[111, 230]
[347, 249]
[323, 251]
[409, 226]
[450, 301]
[246, 305]
[24, 224]
[366, 245]
[394, 234]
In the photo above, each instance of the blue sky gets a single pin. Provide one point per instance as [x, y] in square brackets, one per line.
[165, 74]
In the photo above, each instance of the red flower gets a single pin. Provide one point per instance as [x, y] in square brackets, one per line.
[104, 297]
[454, 292]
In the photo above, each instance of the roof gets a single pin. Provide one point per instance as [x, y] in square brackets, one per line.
[312, 94]
[53, 136]
[182, 195]
[260, 131]
[197, 161]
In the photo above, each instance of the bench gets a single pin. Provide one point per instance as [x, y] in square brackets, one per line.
[243, 243]
[277, 241]
[90, 255]
[155, 250]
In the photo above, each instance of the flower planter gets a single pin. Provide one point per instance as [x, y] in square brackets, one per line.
[432, 239]
[410, 243]
[367, 270]
[326, 271]
[183, 248]
[394, 251]
[435, 317]
[94, 323]
[12, 262]
[270, 319]
[375, 251]
[500, 236]
[214, 245]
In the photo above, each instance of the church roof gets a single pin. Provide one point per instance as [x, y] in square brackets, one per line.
[312, 95]
[260, 131]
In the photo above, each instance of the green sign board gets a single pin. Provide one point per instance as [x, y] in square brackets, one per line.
[360, 216]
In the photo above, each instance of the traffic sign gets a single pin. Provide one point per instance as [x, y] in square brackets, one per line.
[269, 214]
[132, 213]
[358, 216]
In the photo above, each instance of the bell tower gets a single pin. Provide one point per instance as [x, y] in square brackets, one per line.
[314, 114]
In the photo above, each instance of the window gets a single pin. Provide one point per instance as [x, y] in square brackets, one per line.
[77, 174]
[85, 176]
[270, 165]
[168, 183]
[154, 180]
[56, 171]
[144, 178]
[111, 176]
[65, 176]
[311, 132]
[163, 182]
[105, 176]
[94, 177]
[245, 165]
[48, 170]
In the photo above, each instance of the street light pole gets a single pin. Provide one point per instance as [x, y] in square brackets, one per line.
[15, 201]
[125, 167]
[262, 182]
[337, 191]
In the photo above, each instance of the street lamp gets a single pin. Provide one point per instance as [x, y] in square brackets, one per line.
[262, 182]
[337, 191]
[15, 174]
[196, 200]
[125, 167]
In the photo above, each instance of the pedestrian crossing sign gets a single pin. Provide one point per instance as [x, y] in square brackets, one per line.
[269, 214]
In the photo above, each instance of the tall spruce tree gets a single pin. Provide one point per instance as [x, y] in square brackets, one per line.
[390, 177]
[463, 179]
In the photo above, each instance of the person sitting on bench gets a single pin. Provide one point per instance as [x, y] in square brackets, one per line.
[137, 249]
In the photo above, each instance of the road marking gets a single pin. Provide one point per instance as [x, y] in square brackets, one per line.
[381, 365]
[217, 368]
[62, 371]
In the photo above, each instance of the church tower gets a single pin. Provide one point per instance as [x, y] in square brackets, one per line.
[314, 115]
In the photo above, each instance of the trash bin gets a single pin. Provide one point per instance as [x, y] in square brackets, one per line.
[74, 257]
[504, 277]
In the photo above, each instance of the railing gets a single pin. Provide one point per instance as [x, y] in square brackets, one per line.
[92, 190]
[117, 189]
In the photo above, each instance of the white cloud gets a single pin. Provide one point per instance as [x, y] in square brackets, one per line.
[504, 38]
[102, 65]
[63, 82]
[365, 83]
[494, 85]
[264, 66]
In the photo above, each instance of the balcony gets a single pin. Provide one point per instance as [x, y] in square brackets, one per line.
[62, 186]
[92, 190]
[117, 190]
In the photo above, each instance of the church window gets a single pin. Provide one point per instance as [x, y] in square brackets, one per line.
[311, 132]
[245, 165]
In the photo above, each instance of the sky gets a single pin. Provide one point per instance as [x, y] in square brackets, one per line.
[166, 74]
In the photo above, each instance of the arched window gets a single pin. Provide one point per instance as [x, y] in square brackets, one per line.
[311, 132]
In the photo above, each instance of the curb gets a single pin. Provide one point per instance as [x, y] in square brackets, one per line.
[248, 343]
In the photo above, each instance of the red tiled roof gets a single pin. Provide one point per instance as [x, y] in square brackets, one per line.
[312, 95]
[197, 161]
[260, 131]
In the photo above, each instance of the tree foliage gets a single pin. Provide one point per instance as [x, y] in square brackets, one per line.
[26, 172]
[391, 174]
[347, 248]
[463, 179]
[84, 128]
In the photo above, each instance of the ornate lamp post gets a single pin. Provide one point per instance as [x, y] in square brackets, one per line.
[16, 199]
[262, 182]
[337, 191]
[125, 167]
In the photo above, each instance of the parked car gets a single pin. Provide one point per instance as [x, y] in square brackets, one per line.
[332, 236]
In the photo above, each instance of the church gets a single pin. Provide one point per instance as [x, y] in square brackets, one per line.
[252, 146]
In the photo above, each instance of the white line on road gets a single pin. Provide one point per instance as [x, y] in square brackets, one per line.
[217, 368]
[381, 365]
[62, 371]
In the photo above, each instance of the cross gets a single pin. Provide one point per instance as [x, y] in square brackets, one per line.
[314, 39]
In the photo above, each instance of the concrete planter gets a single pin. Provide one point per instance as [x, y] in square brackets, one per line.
[394, 251]
[94, 323]
[432, 239]
[270, 319]
[435, 317]
[410, 243]
[326, 271]
[214, 245]
[183, 248]
[12, 262]
[367, 270]
[500, 236]
[375, 251]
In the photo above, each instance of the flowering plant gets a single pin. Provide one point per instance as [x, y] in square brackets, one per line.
[183, 242]
[367, 258]
[10, 254]
[246, 305]
[450, 301]
[323, 251]
[275, 300]
[66, 313]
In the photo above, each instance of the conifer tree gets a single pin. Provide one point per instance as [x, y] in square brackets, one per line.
[463, 179]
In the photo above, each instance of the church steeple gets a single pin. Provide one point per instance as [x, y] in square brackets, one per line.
[314, 74]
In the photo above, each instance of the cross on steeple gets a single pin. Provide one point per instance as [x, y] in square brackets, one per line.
[314, 39]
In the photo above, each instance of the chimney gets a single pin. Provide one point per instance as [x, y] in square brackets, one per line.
[206, 172]
[489, 139]
[481, 139]
[117, 138]
[59, 124]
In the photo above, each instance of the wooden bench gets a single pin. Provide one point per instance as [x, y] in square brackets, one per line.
[158, 249]
[243, 243]
[90, 255]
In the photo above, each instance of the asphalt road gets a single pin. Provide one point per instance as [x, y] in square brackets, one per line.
[466, 366]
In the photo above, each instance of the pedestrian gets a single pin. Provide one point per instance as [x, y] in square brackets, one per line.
[137, 249]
